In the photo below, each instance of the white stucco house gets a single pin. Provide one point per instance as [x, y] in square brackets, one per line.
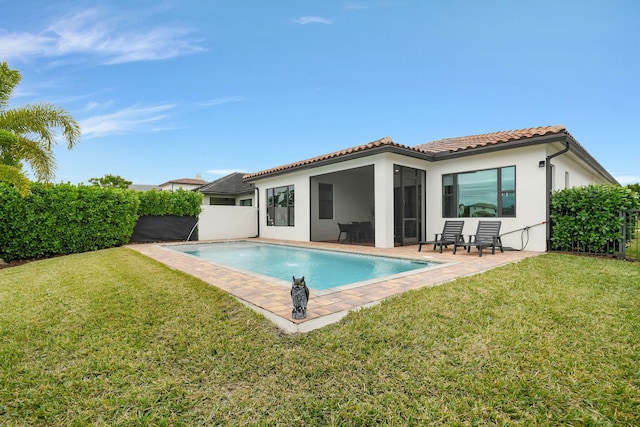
[408, 192]
[230, 190]
[182, 184]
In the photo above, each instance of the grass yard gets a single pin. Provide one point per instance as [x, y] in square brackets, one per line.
[113, 338]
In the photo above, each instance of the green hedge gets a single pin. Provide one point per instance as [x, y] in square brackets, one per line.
[178, 203]
[587, 219]
[64, 219]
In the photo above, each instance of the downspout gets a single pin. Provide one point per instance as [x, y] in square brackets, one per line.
[550, 188]
[258, 210]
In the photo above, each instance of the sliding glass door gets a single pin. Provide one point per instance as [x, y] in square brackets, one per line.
[408, 184]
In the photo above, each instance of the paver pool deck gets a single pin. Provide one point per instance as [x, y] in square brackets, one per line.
[273, 300]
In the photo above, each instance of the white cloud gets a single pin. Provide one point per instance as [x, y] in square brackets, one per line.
[219, 101]
[20, 45]
[627, 179]
[93, 105]
[356, 6]
[132, 119]
[303, 20]
[93, 32]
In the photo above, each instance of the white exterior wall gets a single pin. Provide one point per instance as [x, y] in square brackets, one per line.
[306, 188]
[227, 222]
[530, 194]
[298, 232]
[578, 174]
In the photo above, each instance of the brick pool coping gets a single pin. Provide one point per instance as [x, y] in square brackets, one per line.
[272, 299]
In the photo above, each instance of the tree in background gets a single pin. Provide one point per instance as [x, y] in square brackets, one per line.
[111, 181]
[27, 134]
[634, 187]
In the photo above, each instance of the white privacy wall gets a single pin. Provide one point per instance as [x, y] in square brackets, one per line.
[227, 222]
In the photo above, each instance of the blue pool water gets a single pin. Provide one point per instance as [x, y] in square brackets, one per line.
[322, 269]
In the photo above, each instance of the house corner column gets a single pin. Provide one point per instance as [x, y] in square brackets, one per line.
[383, 193]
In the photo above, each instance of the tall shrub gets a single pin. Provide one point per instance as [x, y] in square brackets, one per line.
[588, 218]
[64, 219]
[178, 203]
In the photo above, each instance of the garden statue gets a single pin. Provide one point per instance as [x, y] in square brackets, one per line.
[299, 297]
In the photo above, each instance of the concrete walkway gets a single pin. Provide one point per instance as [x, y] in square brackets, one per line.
[272, 299]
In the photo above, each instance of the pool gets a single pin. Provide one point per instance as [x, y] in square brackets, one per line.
[322, 269]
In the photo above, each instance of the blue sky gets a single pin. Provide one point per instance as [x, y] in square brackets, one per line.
[171, 89]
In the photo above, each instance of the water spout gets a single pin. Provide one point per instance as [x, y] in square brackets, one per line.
[192, 230]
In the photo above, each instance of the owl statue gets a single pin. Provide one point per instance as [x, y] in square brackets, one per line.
[299, 297]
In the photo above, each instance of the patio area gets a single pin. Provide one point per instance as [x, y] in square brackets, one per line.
[274, 301]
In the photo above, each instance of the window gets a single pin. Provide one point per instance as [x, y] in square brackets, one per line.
[484, 193]
[325, 201]
[222, 201]
[246, 202]
[280, 206]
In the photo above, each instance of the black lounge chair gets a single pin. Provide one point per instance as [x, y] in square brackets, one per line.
[487, 235]
[451, 233]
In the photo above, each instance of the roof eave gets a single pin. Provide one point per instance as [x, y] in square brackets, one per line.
[228, 193]
[574, 147]
[578, 150]
[410, 152]
[562, 137]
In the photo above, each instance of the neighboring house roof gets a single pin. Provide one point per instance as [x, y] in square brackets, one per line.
[185, 181]
[449, 148]
[143, 187]
[488, 139]
[231, 184]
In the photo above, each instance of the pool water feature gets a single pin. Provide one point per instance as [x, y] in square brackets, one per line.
[322, 269]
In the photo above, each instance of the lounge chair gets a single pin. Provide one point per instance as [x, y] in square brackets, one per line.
[451, 233]
[487, 235]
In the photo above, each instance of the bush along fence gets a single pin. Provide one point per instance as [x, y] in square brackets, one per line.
[630, 247]
[167, 216]
[595, 220]
[63, 219]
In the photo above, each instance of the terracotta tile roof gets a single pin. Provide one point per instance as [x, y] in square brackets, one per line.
[483, 140]
[431, 148]
[383, 142]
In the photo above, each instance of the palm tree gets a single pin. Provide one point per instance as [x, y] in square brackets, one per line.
[27, 134]
[10, 170]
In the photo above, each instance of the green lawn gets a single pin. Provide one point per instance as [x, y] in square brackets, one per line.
[113, 338]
